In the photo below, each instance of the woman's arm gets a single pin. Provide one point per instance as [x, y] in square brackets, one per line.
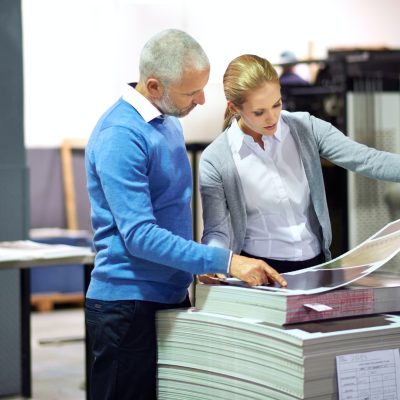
[347, 153]
[216, 215]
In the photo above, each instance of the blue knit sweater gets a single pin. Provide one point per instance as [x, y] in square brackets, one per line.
[140, 189]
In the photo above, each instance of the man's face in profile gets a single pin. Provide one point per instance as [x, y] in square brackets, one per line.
[181, 98]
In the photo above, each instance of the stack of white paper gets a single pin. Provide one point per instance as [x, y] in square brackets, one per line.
[319, 292]
[208, 356]
[369, 295]
[21, 250]
[238, 343]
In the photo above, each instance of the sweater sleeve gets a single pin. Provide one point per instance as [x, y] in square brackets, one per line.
[122, 166]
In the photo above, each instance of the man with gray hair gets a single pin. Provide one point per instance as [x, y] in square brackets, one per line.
[140, 188]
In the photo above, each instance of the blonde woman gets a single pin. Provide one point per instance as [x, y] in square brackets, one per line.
[261, 180]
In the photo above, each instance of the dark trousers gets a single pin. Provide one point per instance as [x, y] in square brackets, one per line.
[122, 337]
[287, 266]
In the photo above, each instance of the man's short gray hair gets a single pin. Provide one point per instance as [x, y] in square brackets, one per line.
[167, 54]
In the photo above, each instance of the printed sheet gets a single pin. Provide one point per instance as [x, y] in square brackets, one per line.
[343, 270]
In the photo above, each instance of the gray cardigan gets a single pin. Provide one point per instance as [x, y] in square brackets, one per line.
[223, 201]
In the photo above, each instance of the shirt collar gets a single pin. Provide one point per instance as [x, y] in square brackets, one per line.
[141, 104]
[280, 130]
[236, 136]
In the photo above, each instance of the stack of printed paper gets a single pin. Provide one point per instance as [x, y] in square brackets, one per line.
[370, 295]
[206, 356]
[330, 290]
[237, 344]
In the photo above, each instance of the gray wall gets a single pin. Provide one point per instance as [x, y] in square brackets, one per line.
[13, 190]
[47, 206]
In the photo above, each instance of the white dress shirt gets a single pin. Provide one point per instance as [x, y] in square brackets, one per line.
[140, 103]
[277, 195]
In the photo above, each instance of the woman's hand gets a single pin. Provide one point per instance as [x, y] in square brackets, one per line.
[211, 279]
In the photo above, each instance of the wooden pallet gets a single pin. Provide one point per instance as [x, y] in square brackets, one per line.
[47, 301]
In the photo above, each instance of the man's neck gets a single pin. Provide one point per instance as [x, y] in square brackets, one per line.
[142, 90]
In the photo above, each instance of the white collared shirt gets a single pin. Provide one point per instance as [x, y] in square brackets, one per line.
[141, 104]
[277, 195]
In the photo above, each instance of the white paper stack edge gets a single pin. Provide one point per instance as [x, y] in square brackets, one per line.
[205, 356]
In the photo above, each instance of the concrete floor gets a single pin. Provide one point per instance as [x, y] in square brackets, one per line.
[58, 359]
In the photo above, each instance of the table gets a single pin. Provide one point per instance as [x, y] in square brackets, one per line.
[24, 255]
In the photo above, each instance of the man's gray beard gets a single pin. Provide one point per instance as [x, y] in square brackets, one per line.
[167, 107]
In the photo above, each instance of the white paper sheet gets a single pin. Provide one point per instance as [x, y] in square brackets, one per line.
[343, 270]
[373, 375]
[22, 250]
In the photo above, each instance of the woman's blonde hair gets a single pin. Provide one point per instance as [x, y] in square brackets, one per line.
[244, 73]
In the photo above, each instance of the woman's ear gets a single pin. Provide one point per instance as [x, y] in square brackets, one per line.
[232, 108]
[154, 88]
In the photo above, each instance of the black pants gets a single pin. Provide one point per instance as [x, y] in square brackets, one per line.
[287, 266]
[122, 337]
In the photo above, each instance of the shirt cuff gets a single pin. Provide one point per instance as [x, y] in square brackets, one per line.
[229, 263]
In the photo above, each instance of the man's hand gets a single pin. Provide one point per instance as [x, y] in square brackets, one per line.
[254, 272]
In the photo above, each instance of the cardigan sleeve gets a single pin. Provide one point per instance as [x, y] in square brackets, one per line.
[341, 150]
[216, 215]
